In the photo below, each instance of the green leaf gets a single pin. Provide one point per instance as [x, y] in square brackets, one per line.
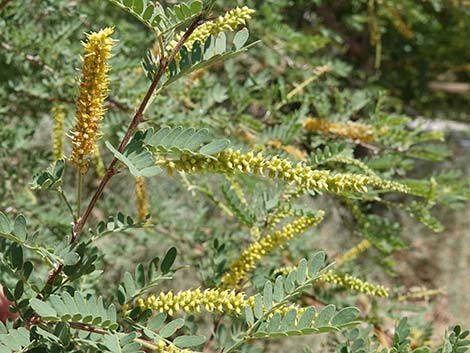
[8, 294]
[195, 7]
[72, 258]
[19, 228]
[43, 309]
[139, 161]
[274, 322]
[302, 271]
[258, 307]
[140, 275]
[16, 253]
[157, 321]
[220, 43]
[189, 341]
[306, 319]
[129, 284]
[250, 319]
[5, 226]
[325, 316]
[215, 147]
[289, 283]
[316, 263]
[345, 316]
[138, 6]
[240, 38]
[19, 290]
[268, 295]
[278, 294]
[170, 328]
[168, 260]
[288, 321]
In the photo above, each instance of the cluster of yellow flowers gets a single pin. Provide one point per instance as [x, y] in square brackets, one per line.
[302, 175]
[253, 254]
[231, 20]
[213, 300]
[58, 132]
[346, 281]
[93, 90]
[355, 284]
[195, 300]
[353, 252]
[141, 198]
[352, 130]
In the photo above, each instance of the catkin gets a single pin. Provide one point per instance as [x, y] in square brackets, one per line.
[93, 90]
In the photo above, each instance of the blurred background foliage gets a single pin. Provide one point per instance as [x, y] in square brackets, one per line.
[361, 60]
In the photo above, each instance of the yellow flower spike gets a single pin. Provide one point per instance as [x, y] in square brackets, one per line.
[353, 252]
[354, 283]
[215, 300]
[253, 254]
[345, 281]
[93, 89]
[352, 130]
[141, 198]
[301, 175]
[58, 132]
[231, 20]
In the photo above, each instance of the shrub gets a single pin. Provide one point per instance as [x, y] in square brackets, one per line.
[232, 166]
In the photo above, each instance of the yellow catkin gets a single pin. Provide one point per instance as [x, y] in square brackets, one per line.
[300, 174]
[141, 198]
[214, 300]
[345, 281]
[352, 253]
[355, 131]
[93, 90]
[58, 132]
[229, 22]
[98, 162]
[250, 257]
[355, 284]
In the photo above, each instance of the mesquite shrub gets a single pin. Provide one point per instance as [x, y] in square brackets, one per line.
[176, 182]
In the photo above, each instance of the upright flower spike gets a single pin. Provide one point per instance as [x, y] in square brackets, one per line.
[141, 198]
[231, 20]
[93, 89]
[250, 257]
[58, 132]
